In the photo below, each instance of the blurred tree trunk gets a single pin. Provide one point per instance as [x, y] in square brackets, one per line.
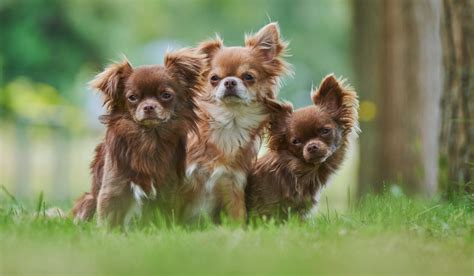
[367, 40]
[402, 70]
[457, 131]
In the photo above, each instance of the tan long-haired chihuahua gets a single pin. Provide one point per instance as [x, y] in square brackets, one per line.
[233, 116]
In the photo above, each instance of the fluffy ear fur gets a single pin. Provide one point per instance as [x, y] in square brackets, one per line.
[329, 94]
[267, 41]
[339, 99]
[210, 47]
[111, 82]
[268, 44]
[280, 113]
[186, 65]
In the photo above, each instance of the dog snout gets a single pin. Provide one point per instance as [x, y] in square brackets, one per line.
[312, 148]
[231, 88]
[230, 83]
[316, 149]
[149, 108]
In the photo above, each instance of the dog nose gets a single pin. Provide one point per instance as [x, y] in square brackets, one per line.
[312, 148]
[229, 84]
[149, 108]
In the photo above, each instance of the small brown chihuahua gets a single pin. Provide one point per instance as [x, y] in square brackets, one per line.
[150, 112]
[305, 148]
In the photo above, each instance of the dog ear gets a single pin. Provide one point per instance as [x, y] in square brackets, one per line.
[339, 99]
[280, 113]
[186, 65]
[271, 49]
[111, 81]
[210, 47]
[329, 94]
[267, 41]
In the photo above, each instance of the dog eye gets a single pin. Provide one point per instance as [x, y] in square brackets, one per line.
[325, 131]
[296, 141]
[132, 98]
[248, 77]
[166, 95]
[214, 79]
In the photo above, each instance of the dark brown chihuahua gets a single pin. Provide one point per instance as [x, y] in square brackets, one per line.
[305, 148]
[150, 111]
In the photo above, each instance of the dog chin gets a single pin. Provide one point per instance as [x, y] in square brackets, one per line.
[236, 100]
[316, 160]
[149, 122]
[231, 99]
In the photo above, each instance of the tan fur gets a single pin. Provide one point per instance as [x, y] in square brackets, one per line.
[221, 154]
[305, 149]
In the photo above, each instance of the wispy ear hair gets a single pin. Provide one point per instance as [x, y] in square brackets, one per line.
[340, 99]
[111, 82]
[185, 64]
[269, 45]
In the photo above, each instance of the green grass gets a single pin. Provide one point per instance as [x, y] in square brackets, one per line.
[381, 235]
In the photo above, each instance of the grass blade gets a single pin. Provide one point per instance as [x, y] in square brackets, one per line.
[40, 204]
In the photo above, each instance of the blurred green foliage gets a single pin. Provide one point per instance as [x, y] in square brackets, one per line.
[51, 48]
[39, 104]
[42, 42]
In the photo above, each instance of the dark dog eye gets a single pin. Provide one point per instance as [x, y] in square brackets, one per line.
[325, 131]
[214, 79]
[132, 98]
[248, 77]
[296, 141]
[166, 96]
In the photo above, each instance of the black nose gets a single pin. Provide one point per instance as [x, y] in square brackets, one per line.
[229, 84]
[149, 108]
[312, 148]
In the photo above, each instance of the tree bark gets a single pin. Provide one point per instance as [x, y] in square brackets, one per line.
[366, 53]
[402, 147]
[457, 131]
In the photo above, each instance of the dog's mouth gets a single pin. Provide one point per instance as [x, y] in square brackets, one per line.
[317, 160]
[236, 100]
[314, 161]
[231, 96]
[150, 122]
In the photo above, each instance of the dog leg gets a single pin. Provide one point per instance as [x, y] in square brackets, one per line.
[84, 208]
[235, 206]
[115, 199]
[232, 197]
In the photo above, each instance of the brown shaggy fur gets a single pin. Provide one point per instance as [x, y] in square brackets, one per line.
[305, 148]
[221, 154]
[150, 111]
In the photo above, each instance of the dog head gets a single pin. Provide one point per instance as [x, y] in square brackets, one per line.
[245, 74]
[151, 95]
[314, 133]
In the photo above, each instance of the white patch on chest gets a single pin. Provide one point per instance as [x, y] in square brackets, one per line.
[232, 127]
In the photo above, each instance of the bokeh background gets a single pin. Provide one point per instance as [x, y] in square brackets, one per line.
[391, 51]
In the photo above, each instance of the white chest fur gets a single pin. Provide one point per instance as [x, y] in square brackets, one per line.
[232, 127]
